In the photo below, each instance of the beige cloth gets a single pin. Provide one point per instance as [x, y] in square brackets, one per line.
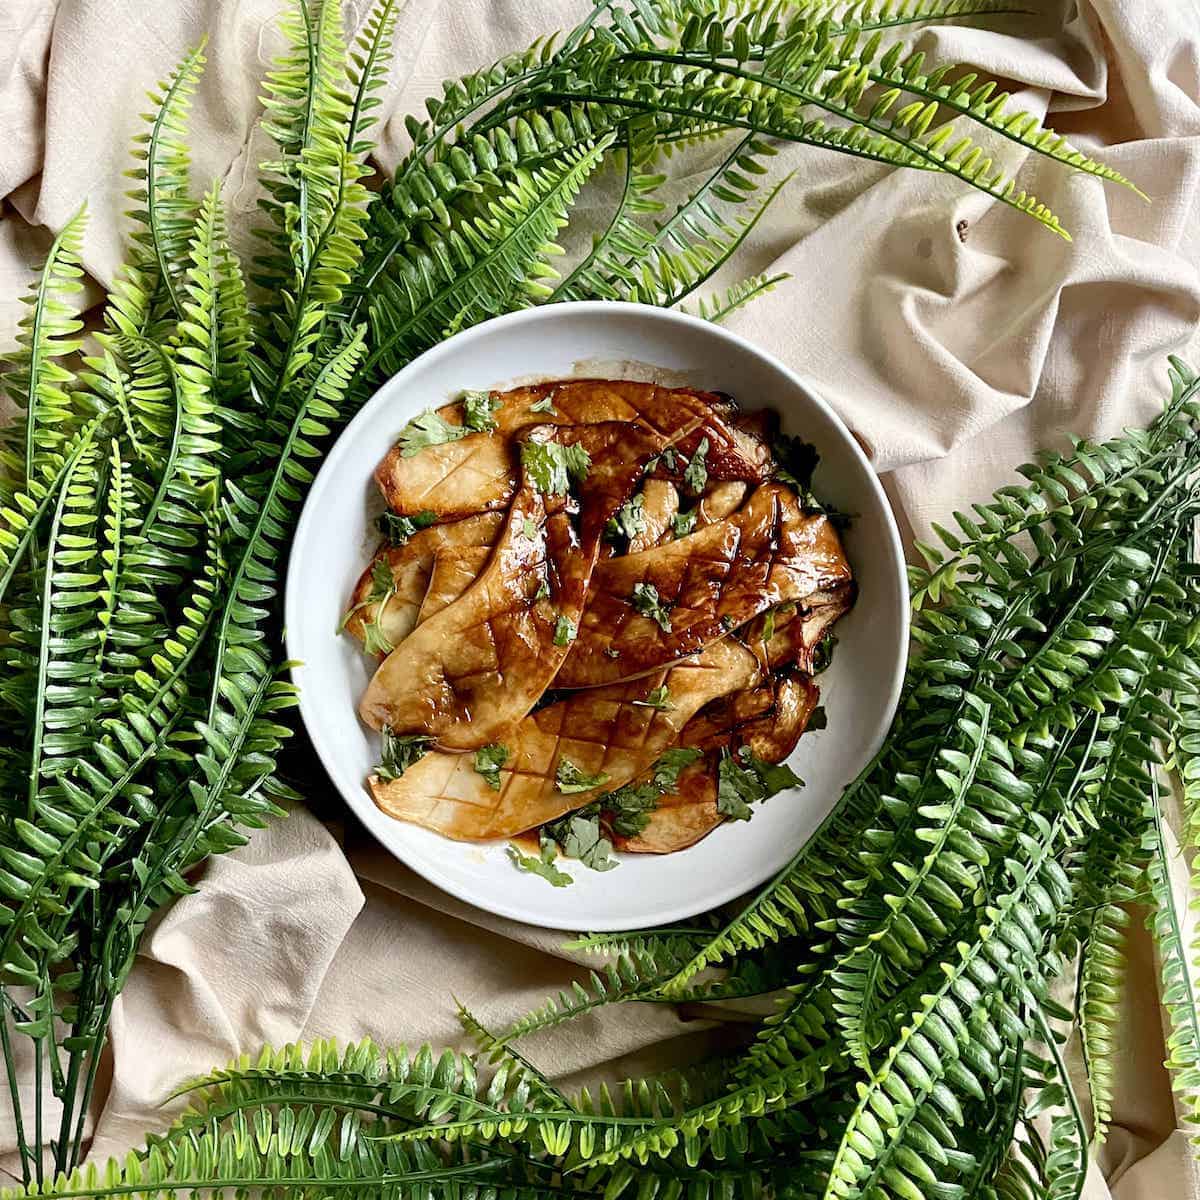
[952, 356]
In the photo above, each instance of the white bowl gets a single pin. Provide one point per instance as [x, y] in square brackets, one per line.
[336, 537]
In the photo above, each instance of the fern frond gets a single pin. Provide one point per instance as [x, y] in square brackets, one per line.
[1180, 996]
[869, 15]
[35, 378]
[165, 209]
[368, 71]
[261, 524]
[738, 295]
[25, 511]
[1100, 975]
[780, 108]
[983, 104]
[483, 263]
[981, 976]
[624, 237]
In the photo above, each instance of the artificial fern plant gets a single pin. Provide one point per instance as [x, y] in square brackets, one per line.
[147, 499]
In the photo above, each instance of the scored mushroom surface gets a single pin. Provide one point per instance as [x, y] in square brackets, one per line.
[663, 601]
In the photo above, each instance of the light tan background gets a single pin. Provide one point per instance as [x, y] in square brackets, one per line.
[953, 358]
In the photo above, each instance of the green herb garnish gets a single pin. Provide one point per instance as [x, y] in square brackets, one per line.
[629, 807]
[768, 629]
[646, 600]
[529, 528]
[382, 589]
[398, 529]
[552, 467]
[543, 592]
[695, 477]
[428, 429]
[684, 522]
[542, 864]
[564, 631]
[399, 752]
[658, 697]
[544, 405]
[478, 408]
[745, 779]
[583, 839]
[823, 654]
[628, 521]
[569, 778]
[489, 760]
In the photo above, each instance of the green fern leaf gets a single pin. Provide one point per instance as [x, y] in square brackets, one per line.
[483, 264]
[36, 377]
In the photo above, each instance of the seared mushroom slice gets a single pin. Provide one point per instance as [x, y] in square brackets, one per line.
[409, 566]
[768, 719]
[647, 610]
[479, 472]
[602, 732]
[474, 669]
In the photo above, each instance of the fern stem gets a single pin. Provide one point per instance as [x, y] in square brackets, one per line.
[44, 642]
[1071, 1100]
[89, 1087]
[181, 80]
[385, 13]
[37, 339]
[359, 1182]
[10, 1069]
[84, 439]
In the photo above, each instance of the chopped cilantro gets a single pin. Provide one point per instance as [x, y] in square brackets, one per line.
[552, 467]
[375, 641]
[726, 622]
[684, 522]
[768, 629]
[544, 405]
[488, 761]
[669, 764]
[428, 429]
[629, 521]
[477, 411]
[382, 582]
[564, 631]
[584, 841]
[399, 752]
[569, 778]
[542, 864]
[399, 529]
[543, 592]
[383, 587]
[629, 807]
[796, 460]
[529, 528]
[746, 779]
[646, 600]
[823, 654]
[696, 476]
[776, 777]
[658, 697]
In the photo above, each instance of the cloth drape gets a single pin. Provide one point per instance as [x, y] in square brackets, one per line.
[954, 336]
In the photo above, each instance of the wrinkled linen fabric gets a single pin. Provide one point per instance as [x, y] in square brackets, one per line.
[953, 335]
